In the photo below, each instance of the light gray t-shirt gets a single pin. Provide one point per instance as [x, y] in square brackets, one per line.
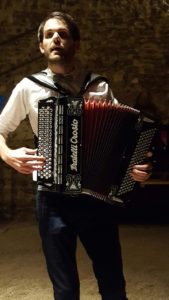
[24, 99]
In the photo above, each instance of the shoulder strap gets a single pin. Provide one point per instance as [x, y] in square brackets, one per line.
[40, 82]
[41, 79]
[90, 79]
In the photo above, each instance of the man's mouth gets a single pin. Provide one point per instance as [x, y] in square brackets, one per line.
[56, 49]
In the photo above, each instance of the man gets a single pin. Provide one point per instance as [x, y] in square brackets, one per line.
[62, 218]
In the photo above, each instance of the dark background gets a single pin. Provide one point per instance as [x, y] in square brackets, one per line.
[127, 41]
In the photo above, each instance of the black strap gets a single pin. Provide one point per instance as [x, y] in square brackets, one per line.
[38, 81]
[89, 82]
[55, 86]
[58, 88]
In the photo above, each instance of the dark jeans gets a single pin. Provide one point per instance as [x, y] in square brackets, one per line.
[61, 220]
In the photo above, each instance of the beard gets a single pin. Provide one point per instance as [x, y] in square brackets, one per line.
[60, 56]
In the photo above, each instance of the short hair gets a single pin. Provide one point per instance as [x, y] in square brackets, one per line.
[70, 22]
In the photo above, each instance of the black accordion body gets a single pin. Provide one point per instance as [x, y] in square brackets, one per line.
[90, 146]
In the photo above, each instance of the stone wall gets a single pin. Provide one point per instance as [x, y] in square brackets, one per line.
[126, 40]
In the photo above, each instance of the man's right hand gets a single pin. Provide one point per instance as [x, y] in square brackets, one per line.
[24, 160]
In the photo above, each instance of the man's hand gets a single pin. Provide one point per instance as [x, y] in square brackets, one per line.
[24, 160]
[142, 172]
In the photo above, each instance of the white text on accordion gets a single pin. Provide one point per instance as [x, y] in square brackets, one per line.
[74, 145]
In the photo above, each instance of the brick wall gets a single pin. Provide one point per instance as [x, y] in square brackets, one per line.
[126, 40]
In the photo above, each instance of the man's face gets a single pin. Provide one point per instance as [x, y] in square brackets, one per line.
[58, 45]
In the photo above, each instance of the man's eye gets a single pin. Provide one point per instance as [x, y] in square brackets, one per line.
[48, 35]
[63, 34]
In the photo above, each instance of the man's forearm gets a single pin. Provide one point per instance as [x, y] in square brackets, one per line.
[23, 160]
[4, 149]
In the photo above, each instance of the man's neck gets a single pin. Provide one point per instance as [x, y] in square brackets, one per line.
[61, 69]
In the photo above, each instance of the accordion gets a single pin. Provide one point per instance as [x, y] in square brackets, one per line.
[90, 146]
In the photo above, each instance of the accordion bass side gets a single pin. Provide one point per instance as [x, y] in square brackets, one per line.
[90, 146]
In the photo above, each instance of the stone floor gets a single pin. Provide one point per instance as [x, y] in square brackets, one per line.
[23, 274]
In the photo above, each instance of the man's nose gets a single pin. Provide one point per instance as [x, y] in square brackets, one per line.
[56, 37]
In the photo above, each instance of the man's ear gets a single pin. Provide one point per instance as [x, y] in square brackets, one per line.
[41, 48]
